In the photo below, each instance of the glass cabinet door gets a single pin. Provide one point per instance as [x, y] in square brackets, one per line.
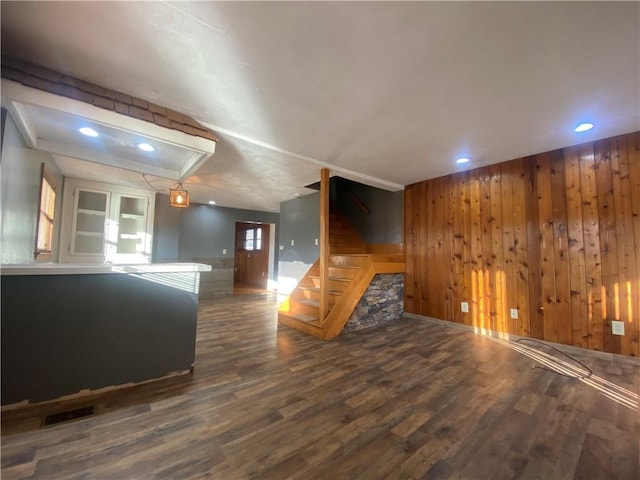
[103, 223]
[90, 222]
[131, 225]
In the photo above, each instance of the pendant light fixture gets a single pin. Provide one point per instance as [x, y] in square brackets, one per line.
[178, 196]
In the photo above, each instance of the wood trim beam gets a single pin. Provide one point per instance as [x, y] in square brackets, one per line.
[324, 243]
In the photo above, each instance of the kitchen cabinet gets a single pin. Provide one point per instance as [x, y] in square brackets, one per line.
[105, 223]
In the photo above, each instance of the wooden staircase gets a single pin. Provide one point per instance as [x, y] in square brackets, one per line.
[352, 266]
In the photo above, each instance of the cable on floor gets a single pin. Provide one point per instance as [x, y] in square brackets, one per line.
[589, 373]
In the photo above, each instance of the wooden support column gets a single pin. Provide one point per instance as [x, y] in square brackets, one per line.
[324, 243]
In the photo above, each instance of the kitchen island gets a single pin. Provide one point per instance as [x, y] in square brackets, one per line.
[69, 329]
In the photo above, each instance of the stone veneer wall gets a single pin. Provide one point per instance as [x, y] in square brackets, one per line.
[383, 302]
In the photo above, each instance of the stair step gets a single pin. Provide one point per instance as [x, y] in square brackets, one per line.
[304, 318]
[310, 302]
[317, 289]
[337, 279]
[345, 260]
[347, 270]
[340, 271]
[303, 306]
[345, 250]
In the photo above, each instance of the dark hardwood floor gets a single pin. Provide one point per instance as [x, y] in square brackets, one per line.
[413, 399]
[244, 289]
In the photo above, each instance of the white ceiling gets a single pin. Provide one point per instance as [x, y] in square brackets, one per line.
[383, 93]
[53, 124]
[59, 132]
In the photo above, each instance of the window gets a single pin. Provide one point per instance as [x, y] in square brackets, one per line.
[44, 234]
[253, 239]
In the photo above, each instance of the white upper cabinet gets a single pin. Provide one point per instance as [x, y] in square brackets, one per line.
[106, 223]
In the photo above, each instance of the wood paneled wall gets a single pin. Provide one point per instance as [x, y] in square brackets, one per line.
[555, 235]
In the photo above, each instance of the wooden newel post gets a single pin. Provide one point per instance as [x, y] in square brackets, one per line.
[324, 243]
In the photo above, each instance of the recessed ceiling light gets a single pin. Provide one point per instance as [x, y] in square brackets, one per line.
[583, 127]
[145, 147]
[462, 160]
[89, 132]
[211, 202]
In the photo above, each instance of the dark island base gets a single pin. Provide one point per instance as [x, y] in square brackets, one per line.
[63, 334]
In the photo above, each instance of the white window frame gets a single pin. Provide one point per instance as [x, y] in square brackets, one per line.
[43, 254]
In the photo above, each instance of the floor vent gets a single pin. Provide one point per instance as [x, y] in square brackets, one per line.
[68, 416]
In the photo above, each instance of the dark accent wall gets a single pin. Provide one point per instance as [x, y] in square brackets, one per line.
[94, 331]
[555, 236]
[383, 223]
[300, 218]
[20, 184]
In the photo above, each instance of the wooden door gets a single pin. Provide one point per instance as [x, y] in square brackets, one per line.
[252, 254]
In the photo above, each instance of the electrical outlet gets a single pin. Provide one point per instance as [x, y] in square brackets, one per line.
[316, 242]
[617, 328]
[514, 313]
[224, 251]
[281, 247]
[464, 306]
[292, 243]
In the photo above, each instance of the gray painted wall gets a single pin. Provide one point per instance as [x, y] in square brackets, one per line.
[166, 231]
[20, 177]
[383, 223]
[181, 234]
[300, 222]
[201, 233]
[205, 230]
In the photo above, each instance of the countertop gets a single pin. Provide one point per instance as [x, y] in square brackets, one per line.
[94, 268]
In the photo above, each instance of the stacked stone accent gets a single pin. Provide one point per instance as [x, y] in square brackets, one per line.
[50, 81]
[383, 302]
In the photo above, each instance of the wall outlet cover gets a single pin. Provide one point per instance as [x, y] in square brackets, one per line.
[224, 251]
[514, 313]
[281, 247]
[617, 328]
[316, 242]
[292, 243]
[464, 307]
